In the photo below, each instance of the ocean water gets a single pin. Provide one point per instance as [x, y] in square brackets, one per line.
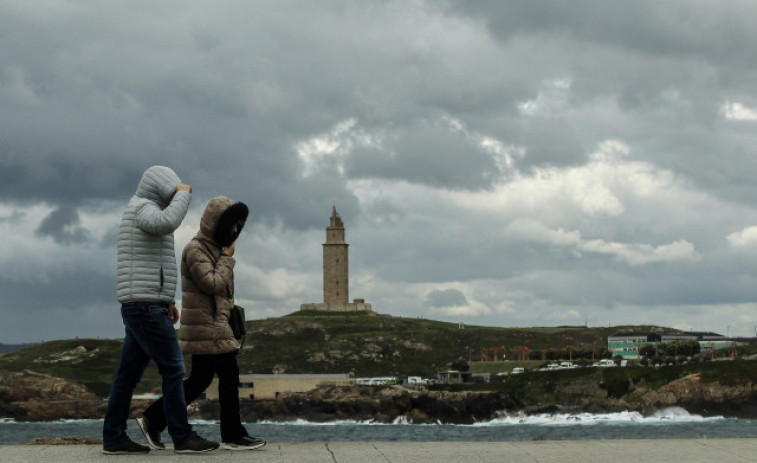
[671, 423]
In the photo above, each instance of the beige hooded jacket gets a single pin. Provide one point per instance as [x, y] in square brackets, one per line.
[207, 279]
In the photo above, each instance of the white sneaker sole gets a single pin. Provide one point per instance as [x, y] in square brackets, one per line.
[142, 423]
[242, 447]
[125, 452]
[195, 451]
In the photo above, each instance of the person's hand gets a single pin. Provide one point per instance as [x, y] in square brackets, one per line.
[173, 314]
[184, 187]
[229, 250]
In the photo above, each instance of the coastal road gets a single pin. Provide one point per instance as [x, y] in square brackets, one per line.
[612, 451]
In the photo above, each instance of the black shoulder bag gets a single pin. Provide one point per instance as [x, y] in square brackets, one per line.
[236, 320]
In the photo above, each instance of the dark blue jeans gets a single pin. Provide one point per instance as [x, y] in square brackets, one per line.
[149, 335]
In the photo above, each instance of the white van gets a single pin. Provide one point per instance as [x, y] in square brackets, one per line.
[607, 363]
[415, 380]
[518, 370]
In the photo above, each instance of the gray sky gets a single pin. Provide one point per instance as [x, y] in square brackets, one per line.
[496, 163]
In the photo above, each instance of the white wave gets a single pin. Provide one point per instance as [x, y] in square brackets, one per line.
[301, 422]
[679, 414]
[82, 421]
[50, 423]
[402, 419]
[672, 415]
[193, 422]
[664, 416]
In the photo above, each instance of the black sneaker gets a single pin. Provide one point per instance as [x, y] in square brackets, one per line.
[244, 443]
[127, 447]
[195, 444]
[153, 438]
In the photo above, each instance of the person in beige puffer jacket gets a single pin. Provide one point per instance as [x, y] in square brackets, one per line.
[207, 280]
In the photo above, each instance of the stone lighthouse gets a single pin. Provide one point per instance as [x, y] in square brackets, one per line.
[336, 272]
[336, 269]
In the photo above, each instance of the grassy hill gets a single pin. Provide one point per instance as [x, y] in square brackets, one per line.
[317, 342]
[6, 348]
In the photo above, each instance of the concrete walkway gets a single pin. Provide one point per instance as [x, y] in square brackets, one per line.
[613, 451]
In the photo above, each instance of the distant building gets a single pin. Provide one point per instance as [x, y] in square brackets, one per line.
[454, 377]
[336, 272]
[627, 344]
[270, 386]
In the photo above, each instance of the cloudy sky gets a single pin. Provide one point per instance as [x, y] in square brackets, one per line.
[496, 163]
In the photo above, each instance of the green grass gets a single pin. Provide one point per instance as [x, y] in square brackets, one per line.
[94, 369]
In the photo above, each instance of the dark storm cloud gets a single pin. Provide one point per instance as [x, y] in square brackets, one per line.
[428, 155]
[74, 288]
[636, 55]
[81, 109]
[63, 225]
[680, 27]
[446, 298]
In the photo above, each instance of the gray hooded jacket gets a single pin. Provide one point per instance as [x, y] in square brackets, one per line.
[146, 257]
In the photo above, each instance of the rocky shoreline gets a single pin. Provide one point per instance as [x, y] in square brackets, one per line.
[29, 396]
[466, 407]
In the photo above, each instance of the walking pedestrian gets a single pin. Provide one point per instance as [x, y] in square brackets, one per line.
[146, 289]
[207, 281]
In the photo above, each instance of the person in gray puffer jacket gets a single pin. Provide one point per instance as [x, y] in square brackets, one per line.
[146, 290]
[146, 257]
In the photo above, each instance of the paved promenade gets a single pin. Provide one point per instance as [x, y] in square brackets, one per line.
[608, 451]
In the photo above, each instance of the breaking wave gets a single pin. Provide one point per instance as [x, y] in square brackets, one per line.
[671, 415]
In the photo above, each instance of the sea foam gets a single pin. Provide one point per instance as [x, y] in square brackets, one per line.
[664, 416]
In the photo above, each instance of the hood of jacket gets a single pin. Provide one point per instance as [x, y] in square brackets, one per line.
[158, 184]
[219, 218]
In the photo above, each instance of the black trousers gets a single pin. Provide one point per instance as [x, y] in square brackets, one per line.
[204, 367]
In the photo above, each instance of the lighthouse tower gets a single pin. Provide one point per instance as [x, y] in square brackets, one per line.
[336, 269]
[336, 272]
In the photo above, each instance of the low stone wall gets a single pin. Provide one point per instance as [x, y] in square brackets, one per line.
[338, 307]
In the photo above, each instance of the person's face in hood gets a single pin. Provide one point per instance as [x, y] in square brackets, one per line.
[223, 220]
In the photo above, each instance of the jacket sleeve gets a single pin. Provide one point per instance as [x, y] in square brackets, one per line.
[209, 277]
[150, 218]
